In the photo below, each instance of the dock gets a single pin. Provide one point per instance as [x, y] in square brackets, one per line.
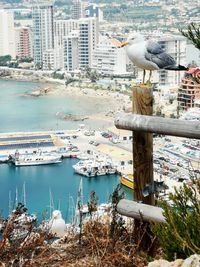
[29, 142]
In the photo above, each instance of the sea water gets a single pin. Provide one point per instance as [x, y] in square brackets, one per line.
[26, 113]
[22, 112]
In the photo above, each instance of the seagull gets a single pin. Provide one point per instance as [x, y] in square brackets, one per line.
[57, 224]
[149, 55]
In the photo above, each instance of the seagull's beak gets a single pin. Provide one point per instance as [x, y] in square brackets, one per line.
[123, 44]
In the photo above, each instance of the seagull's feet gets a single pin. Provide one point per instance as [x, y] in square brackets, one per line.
[146, 85]
[149, 83]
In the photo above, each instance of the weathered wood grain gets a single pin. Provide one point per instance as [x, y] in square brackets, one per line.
[153, 124]
[142, 145]
[140, 211]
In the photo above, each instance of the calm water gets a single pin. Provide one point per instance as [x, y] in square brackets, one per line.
[59, 179]
[27, 113]
[19, 113]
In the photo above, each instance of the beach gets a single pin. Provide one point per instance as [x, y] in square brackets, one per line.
[112, 102]
[83, 90]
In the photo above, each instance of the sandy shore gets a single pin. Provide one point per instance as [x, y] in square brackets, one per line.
[112, 102]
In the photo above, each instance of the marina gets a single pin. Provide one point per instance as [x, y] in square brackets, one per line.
[78, 147]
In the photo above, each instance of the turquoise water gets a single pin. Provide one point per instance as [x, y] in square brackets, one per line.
[59, 179]
[28, 113]
[19, 113]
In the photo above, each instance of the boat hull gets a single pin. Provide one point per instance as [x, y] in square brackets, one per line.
[127, 181]
[34, 163]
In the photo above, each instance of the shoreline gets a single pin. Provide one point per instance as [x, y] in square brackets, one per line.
[113, 101]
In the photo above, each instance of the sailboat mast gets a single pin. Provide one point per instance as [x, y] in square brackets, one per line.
[51, 203]
[24, 195]
[10, 203]
[16, 197]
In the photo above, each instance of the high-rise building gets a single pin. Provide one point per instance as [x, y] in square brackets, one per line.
[176, 47]
[108, 59]
[82, 33]
[189, 91]
[7, 33]
[93, 11]
[62, 29]
[88, 40]
[70, 44]
[43, 31]
[77, 9]
[48, 59]
[23, 42]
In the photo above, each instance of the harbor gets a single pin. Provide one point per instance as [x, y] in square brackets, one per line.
[75, 142]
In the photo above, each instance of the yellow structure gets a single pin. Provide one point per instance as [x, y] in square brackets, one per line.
[127, 180]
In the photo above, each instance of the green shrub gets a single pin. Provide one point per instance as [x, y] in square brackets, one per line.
[180, 236]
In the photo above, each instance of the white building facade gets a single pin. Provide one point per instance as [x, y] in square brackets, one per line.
[48, 59]
[43, 31]
[176, 47]
[77, 9]
[88, 40]
[108, 59]
[71, 46]
[62, 29]
[76, 39]
[7, 33]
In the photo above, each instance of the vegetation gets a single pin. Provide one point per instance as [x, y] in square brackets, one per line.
[4, 60]
[25, 59]
[57, 75]
[103, 243]
[91, 74]
[180, 236]
[193, 34]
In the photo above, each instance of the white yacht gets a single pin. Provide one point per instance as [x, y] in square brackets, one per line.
[37, 158]
[95, 167]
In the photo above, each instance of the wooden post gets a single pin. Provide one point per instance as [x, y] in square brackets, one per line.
[142, 163]
[143, 145]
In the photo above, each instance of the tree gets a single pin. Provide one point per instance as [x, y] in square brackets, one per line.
[180, 236]
[193, 34]
[4, 60]
[92, 75]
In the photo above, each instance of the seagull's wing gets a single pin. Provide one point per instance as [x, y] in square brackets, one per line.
[154, 48]
[156, 54]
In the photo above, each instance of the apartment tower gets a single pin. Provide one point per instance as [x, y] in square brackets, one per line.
[43, 31]
[7, 33]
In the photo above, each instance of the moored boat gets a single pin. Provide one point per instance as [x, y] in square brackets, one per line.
[37, 158]
[95, 167]
[127, 180]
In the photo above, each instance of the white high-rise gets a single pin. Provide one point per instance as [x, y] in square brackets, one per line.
[77, 9]
[88, 40]
[7, 33]
[176, 47]
[83, 35]
[108, 59]
[43, 31]
[70, 44]
[62, 28]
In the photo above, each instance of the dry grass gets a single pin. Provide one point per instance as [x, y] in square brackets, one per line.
[96, 249]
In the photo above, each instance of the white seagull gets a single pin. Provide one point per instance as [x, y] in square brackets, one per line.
[149, 55]
[57, 224]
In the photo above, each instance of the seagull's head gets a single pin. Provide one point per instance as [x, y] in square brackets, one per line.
[133, 39]
[56, 214]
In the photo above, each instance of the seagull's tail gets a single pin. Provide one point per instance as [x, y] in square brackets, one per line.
[177, 68]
